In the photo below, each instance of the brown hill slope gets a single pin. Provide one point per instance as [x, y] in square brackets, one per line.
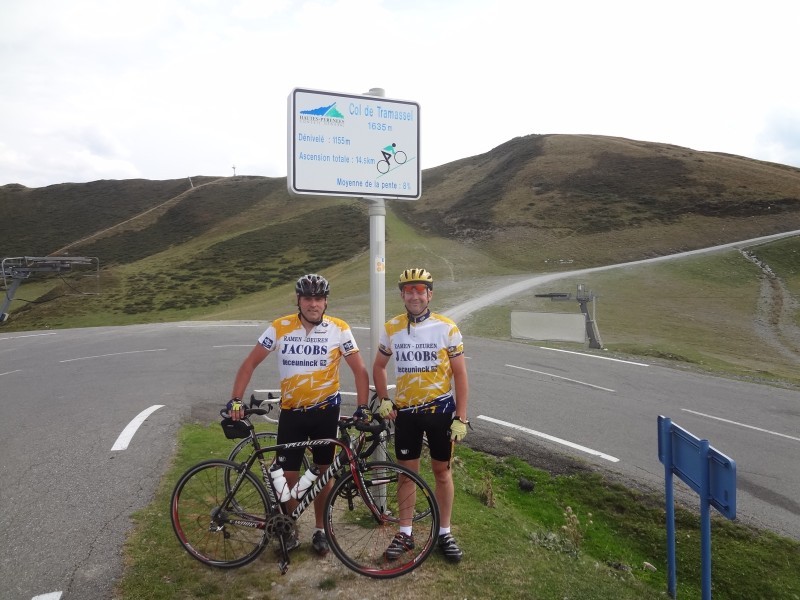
[590, 199]
[39, 221]
[528, 205]
[596, 200]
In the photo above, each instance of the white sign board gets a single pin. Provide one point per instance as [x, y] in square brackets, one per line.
[352, 145]
[562, 327]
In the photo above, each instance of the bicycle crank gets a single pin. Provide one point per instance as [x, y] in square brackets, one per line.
[281, 525]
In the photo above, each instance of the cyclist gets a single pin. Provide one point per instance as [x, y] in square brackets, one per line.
[389, 151]
[428, 353]
[310, 346]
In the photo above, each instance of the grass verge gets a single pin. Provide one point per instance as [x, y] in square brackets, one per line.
[526, 533]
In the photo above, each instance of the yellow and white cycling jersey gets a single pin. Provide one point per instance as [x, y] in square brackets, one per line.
[422, 350]
[308, 364]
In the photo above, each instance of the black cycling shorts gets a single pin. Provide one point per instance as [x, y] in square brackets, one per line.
[300, 426]
[409, 428]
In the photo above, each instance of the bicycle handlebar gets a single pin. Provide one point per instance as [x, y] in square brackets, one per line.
[247, 412]
[376, 425]
[373, 427]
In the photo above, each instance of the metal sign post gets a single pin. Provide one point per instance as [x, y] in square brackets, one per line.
[377, 273]
[363, 146]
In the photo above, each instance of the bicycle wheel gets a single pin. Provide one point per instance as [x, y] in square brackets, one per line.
[242, 451]
[399, 157]
[213, 528]
[361, 522]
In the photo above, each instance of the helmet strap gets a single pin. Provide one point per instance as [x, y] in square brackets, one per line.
[417, 318]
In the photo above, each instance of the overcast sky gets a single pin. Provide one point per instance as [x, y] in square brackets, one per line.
[163, 89]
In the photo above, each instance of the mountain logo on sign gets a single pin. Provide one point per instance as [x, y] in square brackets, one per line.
[329, 111]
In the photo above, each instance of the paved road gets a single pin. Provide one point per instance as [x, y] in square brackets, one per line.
[524, 284]
[66, 396]
[610, 408]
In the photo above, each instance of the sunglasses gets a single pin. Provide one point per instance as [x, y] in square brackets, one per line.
[415, 287]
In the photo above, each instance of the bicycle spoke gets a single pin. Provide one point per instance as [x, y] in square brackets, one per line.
[361, 531]
[215, 532]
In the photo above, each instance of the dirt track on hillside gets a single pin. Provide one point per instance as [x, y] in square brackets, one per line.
[774, 321]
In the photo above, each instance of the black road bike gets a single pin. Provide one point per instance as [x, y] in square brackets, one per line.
[225, 516]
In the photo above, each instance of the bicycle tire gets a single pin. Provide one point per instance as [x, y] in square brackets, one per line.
[216, 535]
[359, 538]
[382, 162]
[400, 155]
[242, 451]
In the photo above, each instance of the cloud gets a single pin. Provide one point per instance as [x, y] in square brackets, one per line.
[780, 139]
[168, 88]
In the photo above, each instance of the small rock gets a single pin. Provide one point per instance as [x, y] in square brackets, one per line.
[526, 485]
[648, 567]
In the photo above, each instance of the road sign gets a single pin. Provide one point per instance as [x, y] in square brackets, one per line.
[698, 466]
[353, 145]
[711, 474]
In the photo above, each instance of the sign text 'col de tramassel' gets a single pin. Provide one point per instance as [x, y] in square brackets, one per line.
[353, 145]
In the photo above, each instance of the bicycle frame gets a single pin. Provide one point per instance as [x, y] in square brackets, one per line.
[345, 457]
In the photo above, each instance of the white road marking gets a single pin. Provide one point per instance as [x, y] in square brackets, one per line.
[10, 372]
[233, 346]
[694, 412]
[113, 354]
[125, 437]
[50, 596]
[564, 378]
[204, 325]
[17, 337]
[628, 362]
[551, 438]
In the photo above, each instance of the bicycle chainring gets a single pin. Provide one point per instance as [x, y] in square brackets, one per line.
[281, 525]
[348, 492]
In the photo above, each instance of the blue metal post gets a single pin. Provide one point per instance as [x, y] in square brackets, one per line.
[666, 440]
[705, 521]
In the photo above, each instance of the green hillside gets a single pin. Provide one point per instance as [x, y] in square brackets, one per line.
[227, 248]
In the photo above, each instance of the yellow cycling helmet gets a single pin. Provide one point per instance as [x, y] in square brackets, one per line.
[415, 276]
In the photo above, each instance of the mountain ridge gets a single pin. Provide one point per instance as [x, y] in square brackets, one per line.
[528, 205]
